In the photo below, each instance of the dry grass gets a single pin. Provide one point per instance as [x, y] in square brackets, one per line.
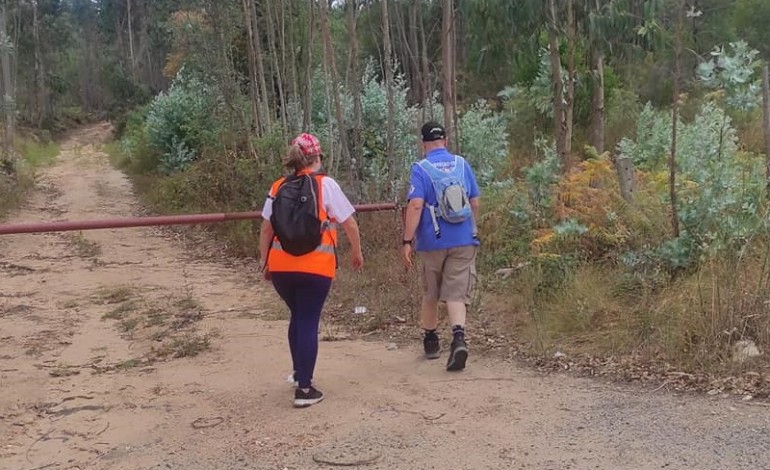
[166, 326]
[84, 248]
[129, 364]
[34, 154]
[121, 310]
[584, 313]
[750, 132]
[603, 311]
[13, 191]
[115, 295]
[724, 302]
[389, 293]
[190, 345]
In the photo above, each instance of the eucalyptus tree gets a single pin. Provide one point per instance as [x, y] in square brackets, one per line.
[7, 49]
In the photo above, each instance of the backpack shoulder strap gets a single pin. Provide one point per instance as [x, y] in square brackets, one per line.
[436, 175]
[316, 179]
[431, 170]
[459, 169]
[275, 187]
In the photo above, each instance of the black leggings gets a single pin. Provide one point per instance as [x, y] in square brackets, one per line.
[305, 295]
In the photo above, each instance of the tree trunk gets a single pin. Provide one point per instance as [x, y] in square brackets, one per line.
[766, 116]
[143, 49]
[355, 83]
[455, 132]
[277, 77]
[6, 48]
[427, 91]
[119, 38]
[626, 177]
[349, 10]
[571, 78]
[448, 55]
[308, 105]
[414, 53]
[253, 78]
[407, 54]
[284, 63]
[399, 42]
[15, 24]
[293, 61]
[597, 101]
[132, 58]
[391, 126]
[332, 64]
[267, 121]
[559, 106]
[332, 155]
[41, 89]
[675, 120]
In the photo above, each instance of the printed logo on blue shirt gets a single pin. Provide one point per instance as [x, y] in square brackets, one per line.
[446, 166]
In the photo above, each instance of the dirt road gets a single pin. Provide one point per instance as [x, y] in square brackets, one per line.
[81, 314]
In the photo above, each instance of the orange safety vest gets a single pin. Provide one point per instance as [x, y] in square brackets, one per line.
[321, 261]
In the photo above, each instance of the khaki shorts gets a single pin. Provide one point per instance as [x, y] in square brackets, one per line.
[449, 275]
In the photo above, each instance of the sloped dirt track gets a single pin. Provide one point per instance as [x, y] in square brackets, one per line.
[77, 393]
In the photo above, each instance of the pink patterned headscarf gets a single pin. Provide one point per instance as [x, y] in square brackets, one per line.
[308, 144]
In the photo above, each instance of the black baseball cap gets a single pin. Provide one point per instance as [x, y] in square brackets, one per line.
[432, 131]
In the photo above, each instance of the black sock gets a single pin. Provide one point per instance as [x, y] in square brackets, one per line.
[458, 331]
[430, 332]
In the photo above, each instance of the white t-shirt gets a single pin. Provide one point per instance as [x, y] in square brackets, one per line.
[335, 202]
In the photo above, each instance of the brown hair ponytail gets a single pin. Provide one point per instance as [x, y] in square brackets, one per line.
[296, 160]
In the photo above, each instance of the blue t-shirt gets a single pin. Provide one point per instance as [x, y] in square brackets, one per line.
[452, 235]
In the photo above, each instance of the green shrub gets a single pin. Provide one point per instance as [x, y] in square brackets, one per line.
[720, 189]
[180, 122]
[36, 153]
[483, 140]
[138, 155]
[18, 177]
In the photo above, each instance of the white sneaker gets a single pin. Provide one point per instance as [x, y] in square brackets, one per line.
[290, 380]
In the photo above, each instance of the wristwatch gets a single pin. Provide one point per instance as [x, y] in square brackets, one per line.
[407, 242]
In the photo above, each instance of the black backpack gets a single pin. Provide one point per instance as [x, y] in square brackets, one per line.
[295, 217]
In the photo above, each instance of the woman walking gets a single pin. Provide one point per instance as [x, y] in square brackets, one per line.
[298, 248]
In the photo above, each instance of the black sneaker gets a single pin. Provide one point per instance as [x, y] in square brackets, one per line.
[457, 355]
[309, 398]
[431, 345]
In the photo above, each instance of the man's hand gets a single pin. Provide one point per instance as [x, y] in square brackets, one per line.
[412, 217]
[406, 253]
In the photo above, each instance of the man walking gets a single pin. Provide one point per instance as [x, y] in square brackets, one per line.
[441, 225]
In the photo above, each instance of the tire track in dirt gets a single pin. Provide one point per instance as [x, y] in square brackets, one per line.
[76, 390]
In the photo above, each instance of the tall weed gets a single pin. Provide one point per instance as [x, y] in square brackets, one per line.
[34, 153]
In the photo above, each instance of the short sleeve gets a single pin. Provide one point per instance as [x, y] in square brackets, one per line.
[416, 184]
[473, 186]
[267, 209]
[336, 203]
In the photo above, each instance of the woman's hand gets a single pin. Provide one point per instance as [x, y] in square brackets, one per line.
[351, 230]
[357, 260]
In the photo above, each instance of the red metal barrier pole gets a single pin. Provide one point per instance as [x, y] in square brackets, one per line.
[38, 227]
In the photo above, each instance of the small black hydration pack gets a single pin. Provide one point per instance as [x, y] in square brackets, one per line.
[296, 213]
